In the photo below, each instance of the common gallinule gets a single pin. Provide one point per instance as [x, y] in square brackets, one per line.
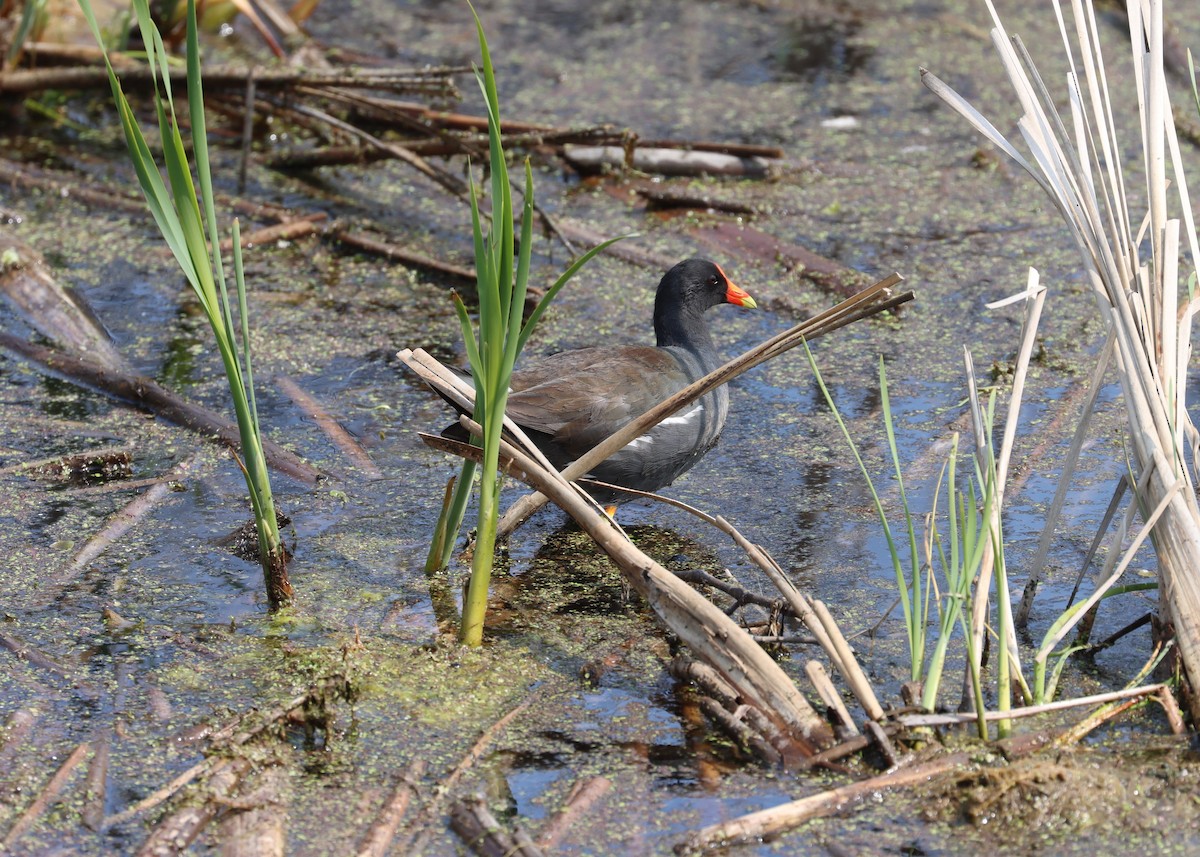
[569, 402]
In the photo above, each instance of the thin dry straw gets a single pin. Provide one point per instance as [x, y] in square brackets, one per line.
[1070, 461]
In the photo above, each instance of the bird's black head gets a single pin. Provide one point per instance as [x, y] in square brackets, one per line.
[686, 292]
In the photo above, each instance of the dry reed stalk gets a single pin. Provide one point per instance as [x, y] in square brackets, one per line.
[1140, 299]
[924, 720]
[767, 824]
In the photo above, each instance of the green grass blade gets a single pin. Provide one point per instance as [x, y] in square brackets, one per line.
[450, 520]
[176, 208]
[901, 582]
[195, 91]
[30, 13]
[917, 626]
[244, 316]
[473, 358]
[516, 310]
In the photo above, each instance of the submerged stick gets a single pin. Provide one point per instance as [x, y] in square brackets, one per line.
[255, 826]
[174, 833]
[403, 255]
[45, 797]
[378, 839]
[583, 796]
[97, 781]
[333, 430]
[150, 395]
[16, 729]
[121, 522]
[228, 733]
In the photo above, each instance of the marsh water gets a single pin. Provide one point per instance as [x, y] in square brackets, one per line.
[877, 175]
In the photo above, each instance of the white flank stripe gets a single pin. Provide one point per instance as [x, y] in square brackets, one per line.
[683, 419]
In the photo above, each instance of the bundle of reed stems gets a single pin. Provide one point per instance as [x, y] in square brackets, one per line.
[1132, 259]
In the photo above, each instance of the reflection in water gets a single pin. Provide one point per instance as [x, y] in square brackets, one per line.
[821, 45]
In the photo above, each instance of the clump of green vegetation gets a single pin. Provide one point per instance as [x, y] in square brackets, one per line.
[502, 280]
[194, 239]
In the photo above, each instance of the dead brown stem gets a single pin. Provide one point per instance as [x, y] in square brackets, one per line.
[33, 656]
[174, 833]
[449, 182]
[17, 175]
[54, 311]
[378, 839]
[756, 731]
[433, 82]
[78, 466]
[255, 826]
[402, 255]
[628, 250]
[829, 695]
[289, 230]
[480, 832]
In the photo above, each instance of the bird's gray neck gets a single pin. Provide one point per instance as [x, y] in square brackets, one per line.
[685, 330]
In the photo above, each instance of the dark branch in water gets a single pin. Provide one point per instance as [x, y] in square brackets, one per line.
[436, 82]
[146, 393]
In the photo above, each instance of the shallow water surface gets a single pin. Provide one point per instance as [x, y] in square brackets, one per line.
[902, 189]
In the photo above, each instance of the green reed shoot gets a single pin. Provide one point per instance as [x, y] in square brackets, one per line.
[502, 278]
[913, 594]
[195, 242]
[958, 555]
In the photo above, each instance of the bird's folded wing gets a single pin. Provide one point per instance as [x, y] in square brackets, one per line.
[586, 395]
